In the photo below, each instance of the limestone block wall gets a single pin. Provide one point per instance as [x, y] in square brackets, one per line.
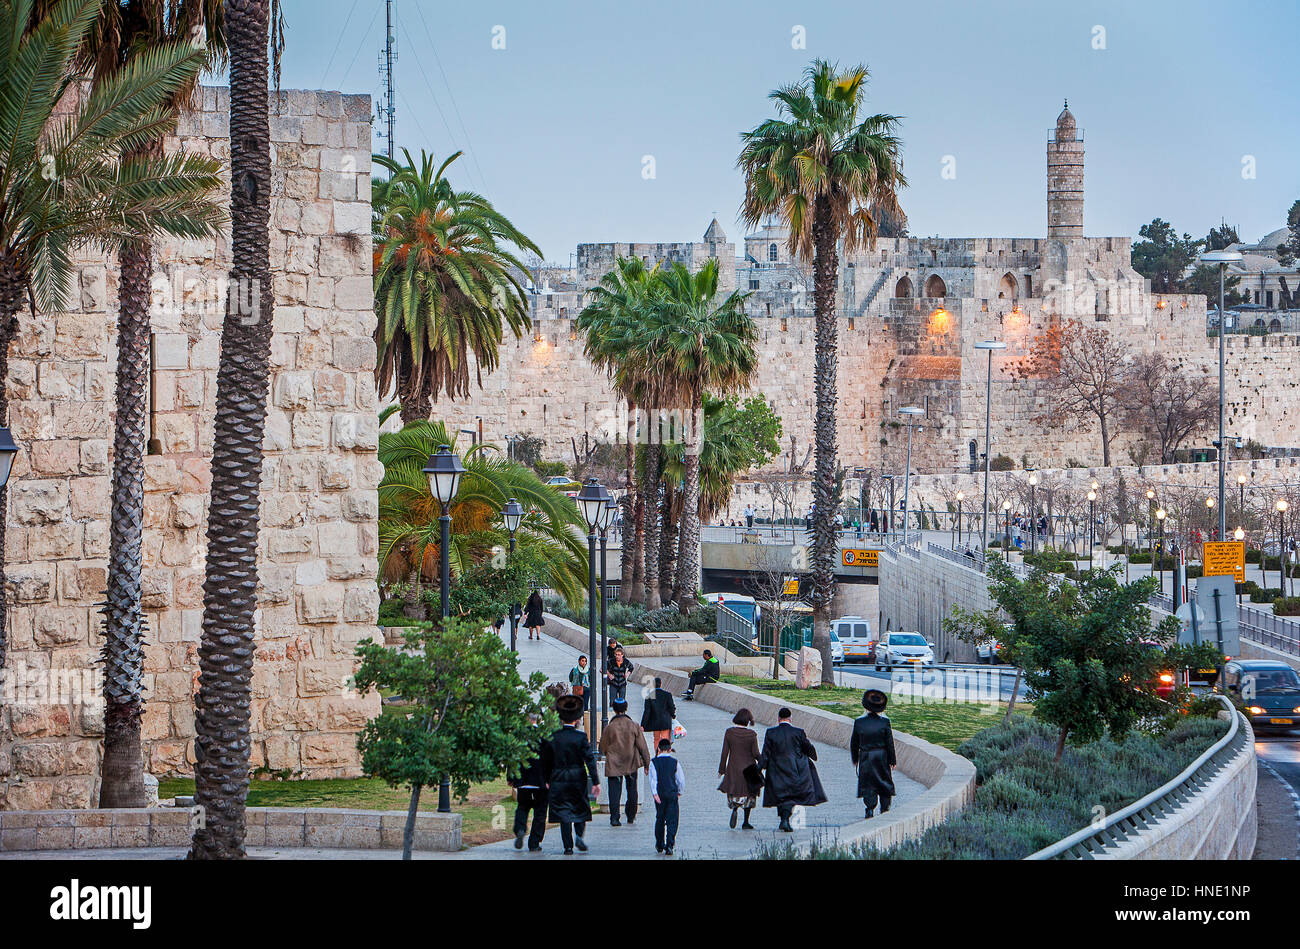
[319, 537]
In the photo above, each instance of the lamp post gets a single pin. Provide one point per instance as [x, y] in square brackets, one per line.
[960, 496]
[444, 471]
[1222, 258]
[1006, 540]
[911, 412]
[1160, 518]
[1239, 535]
[1033, 512]
[1281, 514]
[1151, 516]
[606, 518]
[592, 500]
[512, 514]
[889, 514]
[989, 345]
[1209, 510]
[1092, 520]
[8, 451]
[1241, 498]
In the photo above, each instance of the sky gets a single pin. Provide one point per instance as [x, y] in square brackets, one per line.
[620, 121]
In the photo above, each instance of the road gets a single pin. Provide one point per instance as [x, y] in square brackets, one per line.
[1279, 756]
[953, 680]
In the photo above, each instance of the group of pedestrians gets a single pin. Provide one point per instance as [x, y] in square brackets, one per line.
[563, 774]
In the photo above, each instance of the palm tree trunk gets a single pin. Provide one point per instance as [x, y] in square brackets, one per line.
[417, 405]
[12, 299]
[825, 264]
[650, 495]
[638, 551]
[413, 607]
[221, 720]
[627, 590]
[688, 557]
[667, 547]
[122, 775]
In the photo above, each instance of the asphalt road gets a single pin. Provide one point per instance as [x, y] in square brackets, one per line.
[1279, 755]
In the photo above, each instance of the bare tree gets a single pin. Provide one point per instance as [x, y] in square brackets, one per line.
[1161, 398]
[1081, 370]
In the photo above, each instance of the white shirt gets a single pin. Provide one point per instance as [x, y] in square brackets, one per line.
[654, 775]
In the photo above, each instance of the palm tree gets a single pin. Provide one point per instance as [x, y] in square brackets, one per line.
[609, 322]
[445, 284]
[696, 344]
[408, 513]
[78, 181]
[124, 27]
[221, 708]
[829, 174]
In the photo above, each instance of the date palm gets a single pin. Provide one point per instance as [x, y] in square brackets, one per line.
[222, 742]
[445, 284]
[694, 343]
[830, 174]
[124, 27]
[79, 179]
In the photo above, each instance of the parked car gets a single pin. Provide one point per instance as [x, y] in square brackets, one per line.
[1166, 678]
[1269, 690]
[567, 486]
[903, 649]
[854, 633]
[989, 650]
[837, 647]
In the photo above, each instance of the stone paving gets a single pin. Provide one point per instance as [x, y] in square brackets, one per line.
[702, 831]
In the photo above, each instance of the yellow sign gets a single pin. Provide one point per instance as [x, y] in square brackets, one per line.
[861, 558]
[1225, 559]
[790, 587]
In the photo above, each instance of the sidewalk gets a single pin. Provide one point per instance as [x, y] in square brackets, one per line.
[703, 830]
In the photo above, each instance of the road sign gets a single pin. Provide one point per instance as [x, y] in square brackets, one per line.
[790, 586]
[1192, 618]
[860, 558]
[1225, 559]
[1223, 620]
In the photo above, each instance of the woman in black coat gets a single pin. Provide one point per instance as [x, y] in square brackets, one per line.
[533, 620]
[569, 766]
[872, 750]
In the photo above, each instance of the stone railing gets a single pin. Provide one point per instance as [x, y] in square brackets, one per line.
[310, 827]
[949, 779]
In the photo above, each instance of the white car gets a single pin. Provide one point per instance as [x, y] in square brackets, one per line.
[854, 633]
[903, 649]
[837, 647]
[986, 650]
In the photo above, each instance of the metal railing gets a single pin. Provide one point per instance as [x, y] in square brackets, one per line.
[1263, 629]
[1092, 842]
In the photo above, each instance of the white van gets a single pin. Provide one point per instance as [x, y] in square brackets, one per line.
[854, 633]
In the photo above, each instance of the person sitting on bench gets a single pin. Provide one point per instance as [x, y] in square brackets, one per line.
[711, 671]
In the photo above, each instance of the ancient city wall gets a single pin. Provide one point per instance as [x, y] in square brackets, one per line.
[319, 535]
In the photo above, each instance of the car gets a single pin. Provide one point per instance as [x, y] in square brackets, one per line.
[837, 647]
[903, 649]
[989, 650]
[1269, 690]
[568, 486]
[1167, 678]
[854, 633]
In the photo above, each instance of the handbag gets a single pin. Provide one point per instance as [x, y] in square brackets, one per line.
[578, 690]
[753, 776]
[679, 730]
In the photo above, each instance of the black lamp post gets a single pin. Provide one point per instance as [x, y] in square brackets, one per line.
[1160, 550]
[8, 451]
[1006, 541]
[1241, 498]
[606, 519]
[1033, 512]
[1092, 521]
[1281, 554]
[592, 500]
[512, 514]
[960, 497]
[443, 471]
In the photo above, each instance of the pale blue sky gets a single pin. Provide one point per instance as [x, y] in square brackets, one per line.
[556, 124]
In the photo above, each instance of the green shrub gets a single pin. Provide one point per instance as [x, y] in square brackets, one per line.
[668, 619]
[1140, 556]
[1265, 596]
[1287, 606]
[1002, 463]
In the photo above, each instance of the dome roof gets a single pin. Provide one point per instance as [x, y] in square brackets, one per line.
[1275, 239]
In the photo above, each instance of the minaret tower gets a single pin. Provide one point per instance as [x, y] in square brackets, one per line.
[1065, 179]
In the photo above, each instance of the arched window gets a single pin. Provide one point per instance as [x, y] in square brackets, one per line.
[1007, 287]
[771, 252]
[903, 288]
[935, 287]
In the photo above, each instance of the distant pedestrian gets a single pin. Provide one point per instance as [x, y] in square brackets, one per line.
[616, 675]
[531, 796]
[789, 776]
[741, 779]
[667, 784]
[872, 751]
[580, 685]
[657, 714]
[875, 523]
[569, 766]
[749, 516]
[710, 671]
[625, 751]
[533, 618]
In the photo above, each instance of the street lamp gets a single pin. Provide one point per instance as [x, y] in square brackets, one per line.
[1006, 543]
[592, 500]
[1160, 518]
[1241, 497]
[1033, 512]
[960, 497]
[911, 411]
[1222, 258]
[606, 518]
[989, 345]
[512, 514]
[8, 451]
[1281, 513]
[1092, 520]
[1239, 536]
[444, 471]
[889, 514]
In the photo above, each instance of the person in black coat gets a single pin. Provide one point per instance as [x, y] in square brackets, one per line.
[790, 777]
[872, 750]
[569, 766]
[533, 615]
[531, 795]
[657, 712]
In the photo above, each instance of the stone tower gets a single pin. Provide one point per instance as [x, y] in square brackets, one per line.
[1065, 179]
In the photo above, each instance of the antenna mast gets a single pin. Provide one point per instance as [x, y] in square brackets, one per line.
[387, 106]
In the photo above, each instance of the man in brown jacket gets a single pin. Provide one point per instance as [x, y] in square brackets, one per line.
[625, 750]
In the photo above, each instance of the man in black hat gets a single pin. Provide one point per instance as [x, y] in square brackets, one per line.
[530, 795]
[872, 750]
[569, 765]
[790, 777]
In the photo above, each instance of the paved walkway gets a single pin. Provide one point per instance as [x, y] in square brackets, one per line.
[703, 830]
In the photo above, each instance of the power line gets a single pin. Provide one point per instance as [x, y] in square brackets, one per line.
[360, 45]
[473, 153]
[338, 43]
[450, 135]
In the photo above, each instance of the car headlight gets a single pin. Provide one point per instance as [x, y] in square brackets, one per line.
[1296, 710]
[1255, 710]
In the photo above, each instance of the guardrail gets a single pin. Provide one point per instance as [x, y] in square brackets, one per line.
[1093, 842]
[1264, 629]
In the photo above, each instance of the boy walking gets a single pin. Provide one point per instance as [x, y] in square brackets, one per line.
[667, 782]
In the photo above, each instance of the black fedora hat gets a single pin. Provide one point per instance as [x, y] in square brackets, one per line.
[873, 700]
[569, 708]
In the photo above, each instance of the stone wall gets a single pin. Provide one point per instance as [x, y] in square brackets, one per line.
[319, 535]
